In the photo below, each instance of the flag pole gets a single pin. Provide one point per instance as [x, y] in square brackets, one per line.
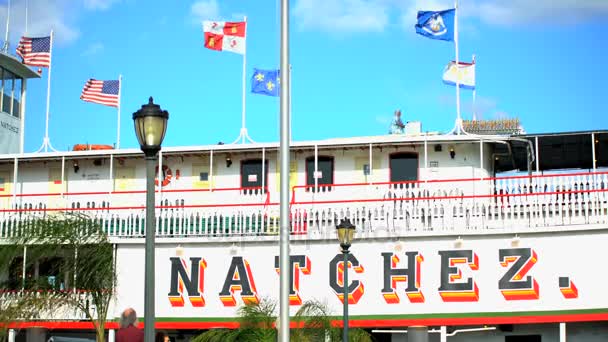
[458, 117]
[118, 120]
[290, 103]
[26, 16]
[243, 135]
[284, 177]
[243, 99]
[8, 20]
[474, 92]
[46, 142]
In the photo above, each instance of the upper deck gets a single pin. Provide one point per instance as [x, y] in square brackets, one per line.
[388, 186]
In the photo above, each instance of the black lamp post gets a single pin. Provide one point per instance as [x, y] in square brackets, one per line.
[346, 233]
[150, 127]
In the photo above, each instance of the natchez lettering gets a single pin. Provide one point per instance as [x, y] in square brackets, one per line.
[401, 272]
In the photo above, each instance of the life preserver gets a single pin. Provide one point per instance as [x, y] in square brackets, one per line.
[167, 175]
[87, 147]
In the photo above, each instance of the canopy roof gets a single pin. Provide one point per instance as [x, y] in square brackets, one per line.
[571, 150]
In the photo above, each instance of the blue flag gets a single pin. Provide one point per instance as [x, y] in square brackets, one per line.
[436, 24]
[265, 82]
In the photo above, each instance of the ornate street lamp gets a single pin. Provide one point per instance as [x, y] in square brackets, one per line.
[346, 233]
[150, 127]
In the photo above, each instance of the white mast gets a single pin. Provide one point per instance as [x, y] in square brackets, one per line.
[244, 136]
[475, 92]
[118, 110]
[8, 20]
[458, 116]
[46, 143]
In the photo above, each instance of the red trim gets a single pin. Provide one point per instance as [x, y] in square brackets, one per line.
[130, 192]
[354, 322]
[268, 203]
[124, 192]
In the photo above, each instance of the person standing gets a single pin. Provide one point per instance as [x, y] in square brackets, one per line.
[128, 331]
[162, 336]
[397, 126]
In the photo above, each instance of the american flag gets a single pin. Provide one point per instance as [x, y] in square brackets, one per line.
[102, 92]
[35, 51]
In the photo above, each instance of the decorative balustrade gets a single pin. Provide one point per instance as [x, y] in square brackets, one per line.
[521, 203]
[61, 310]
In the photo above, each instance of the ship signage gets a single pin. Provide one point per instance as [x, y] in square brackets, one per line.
[390, 278]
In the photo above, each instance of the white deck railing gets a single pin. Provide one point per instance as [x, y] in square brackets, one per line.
[378, 209]
[65, 311]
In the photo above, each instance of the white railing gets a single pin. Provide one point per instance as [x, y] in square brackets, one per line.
[59, 311]
[378, 209]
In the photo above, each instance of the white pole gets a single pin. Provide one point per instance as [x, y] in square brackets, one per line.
[562, 332]
[314, 175]
[593, 150]
[75, 263]
[111, 335]
[243, 114]
[370, 164]
[210, 178]
[118, 120]
[289, 103]
[458, 117]
[8, 20]
[536, 159]
[263, 170]
[15, 180]
[2, 90]
[443, 333]
[475, 92]
[111, 187]
[426, 158]
[46, 142]
[22, 115]
[481, 156]
[12, 335]
[159, 177]
[284, 191]
[23, 268]
[62, 175]
[26, 16]
[12, 104]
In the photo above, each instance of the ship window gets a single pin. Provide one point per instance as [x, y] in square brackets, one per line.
[324, 173]
[403, 167]
[251, 173]
[203, 176]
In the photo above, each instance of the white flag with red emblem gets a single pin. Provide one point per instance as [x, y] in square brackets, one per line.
[225, 36]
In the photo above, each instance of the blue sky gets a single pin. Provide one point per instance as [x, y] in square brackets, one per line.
[354, 63]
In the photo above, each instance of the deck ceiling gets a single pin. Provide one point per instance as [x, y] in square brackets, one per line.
[557, 151]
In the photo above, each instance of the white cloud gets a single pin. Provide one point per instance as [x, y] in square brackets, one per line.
[512, 12]
[383, 120]
[93, 49]
[342, 15]
[99, 4]
[43, 16]
[205, 10]
[540, 11]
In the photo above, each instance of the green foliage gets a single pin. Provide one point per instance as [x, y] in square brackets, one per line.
[257, 323]
[67, 245]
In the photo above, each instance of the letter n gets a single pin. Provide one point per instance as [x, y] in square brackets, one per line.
[192, 282]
